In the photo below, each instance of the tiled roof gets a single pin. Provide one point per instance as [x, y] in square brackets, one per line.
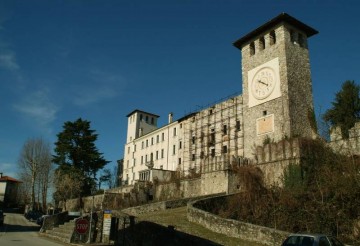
[7, 178]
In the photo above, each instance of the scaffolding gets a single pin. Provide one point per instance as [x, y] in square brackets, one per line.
[213, 137]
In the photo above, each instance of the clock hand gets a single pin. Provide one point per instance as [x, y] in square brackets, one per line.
[262, 82]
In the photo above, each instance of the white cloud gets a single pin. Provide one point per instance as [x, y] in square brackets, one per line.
[38, 107]
[8, 60]
[101, 86]
[93, 95]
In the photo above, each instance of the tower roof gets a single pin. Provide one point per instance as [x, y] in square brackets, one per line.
[140, 111]
[283, 17]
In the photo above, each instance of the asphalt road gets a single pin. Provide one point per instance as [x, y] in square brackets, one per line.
[17, 230]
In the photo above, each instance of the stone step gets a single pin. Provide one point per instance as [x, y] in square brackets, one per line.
[62, 233]
[65, 226]
[64, 229]
[65, 238]
[59, 233]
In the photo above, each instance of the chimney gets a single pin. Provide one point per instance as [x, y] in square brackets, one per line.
[170, 118]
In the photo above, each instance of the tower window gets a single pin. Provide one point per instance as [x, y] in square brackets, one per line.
[262, 43]
[252, 49]
[193, 157]
[272, 37]
[179, 160]
[293, 36]
[301, 40]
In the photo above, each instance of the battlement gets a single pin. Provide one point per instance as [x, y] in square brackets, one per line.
[350, 146]
[283, 150]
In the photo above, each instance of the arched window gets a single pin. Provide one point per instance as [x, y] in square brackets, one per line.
[272, 37]
[262, 43]
[252, 48]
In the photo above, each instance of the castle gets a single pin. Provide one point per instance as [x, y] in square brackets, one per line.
[276, 104]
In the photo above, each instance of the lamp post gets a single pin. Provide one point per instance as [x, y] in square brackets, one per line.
[91, 215]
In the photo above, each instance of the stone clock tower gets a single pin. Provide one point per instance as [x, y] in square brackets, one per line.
[277, 88]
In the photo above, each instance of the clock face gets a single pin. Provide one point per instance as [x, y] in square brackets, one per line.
[263, 83]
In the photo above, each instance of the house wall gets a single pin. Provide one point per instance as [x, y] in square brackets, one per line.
[2, 191]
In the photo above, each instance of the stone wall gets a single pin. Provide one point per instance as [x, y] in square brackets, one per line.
[349, 146]
[232, 228]
[121, 197]
[274, 158]
[163, 205]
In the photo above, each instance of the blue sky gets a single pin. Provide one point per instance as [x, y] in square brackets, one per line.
[101, 59]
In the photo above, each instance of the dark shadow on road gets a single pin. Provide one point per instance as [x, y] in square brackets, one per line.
[19, 228]
[148, 233]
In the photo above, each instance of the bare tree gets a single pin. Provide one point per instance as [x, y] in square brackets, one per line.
[35, 165]
[68, 186]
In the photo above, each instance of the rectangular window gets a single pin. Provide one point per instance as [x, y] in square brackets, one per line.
[157, 139]
[162, 153]
[142, 144]
[224, 129]
[157, 154]
[147, 143]
[224, 150]
[142, 159]
[128, 150]
[146, 159]
[174, 131]
[212, 138]
[174, 149]
[162, 137]
[213, 152]
[180, 143]
[193, 140]
[193, 157]
[179, 160]
[152, 141]
[238, 128]
[202, 155]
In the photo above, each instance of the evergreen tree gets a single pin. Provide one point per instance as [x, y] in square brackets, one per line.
[346, 108]
[75, 150]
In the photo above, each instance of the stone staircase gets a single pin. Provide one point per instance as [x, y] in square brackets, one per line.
[62, 233]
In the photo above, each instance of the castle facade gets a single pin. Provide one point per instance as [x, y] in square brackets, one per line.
[276, 104]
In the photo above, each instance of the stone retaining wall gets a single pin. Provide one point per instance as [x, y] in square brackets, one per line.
[233, 228]
[157, 206]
